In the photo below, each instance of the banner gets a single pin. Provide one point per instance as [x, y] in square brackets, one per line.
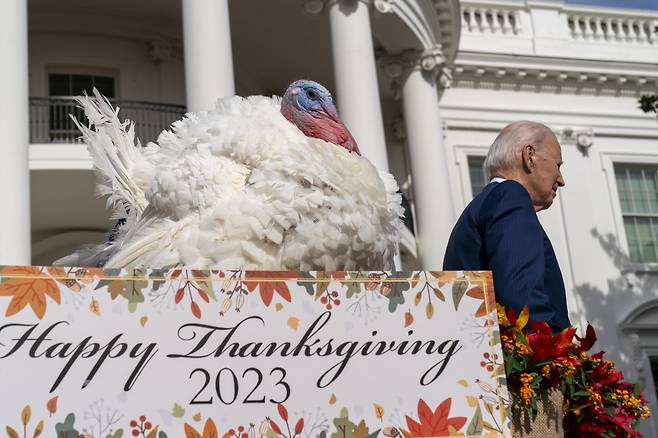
[196, 353]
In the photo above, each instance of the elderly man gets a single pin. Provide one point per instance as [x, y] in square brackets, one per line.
[499, 229]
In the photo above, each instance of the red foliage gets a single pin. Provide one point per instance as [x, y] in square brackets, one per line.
[434, 423]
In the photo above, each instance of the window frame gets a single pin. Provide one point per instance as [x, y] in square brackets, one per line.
[462, 152]
[63, 69]
[608, 161]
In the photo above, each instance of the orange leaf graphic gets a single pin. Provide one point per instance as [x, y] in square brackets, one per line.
[26, 414]
[488, 300]
[436, 423]
[379, 411]
[52, 405]
[191, 432]
[444, 277]
[267, 288]
[472, 400]
[293, 322]
[27, 285]
[196, 310]
[408, 318]
[95, 307]
[209, 430]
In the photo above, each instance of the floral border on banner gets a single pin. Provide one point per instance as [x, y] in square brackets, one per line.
[199, 292]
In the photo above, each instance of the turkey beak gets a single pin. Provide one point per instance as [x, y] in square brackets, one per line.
[330, 111]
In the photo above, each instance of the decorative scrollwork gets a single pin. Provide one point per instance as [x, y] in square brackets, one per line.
[384, 6]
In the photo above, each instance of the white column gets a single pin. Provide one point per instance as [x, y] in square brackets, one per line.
[357, 92]
[208, 57]
[429, 168]
[14, 126]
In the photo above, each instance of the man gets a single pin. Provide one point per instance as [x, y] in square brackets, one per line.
[499, 230]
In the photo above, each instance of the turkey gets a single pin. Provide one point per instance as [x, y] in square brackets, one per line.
[255, 183]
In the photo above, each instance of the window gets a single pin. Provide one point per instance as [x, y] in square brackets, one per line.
[476, 173]
[75, 85]
[638, 196]
[60, 88]
[653, 360]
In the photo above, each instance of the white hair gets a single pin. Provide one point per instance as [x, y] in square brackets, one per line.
[506, 148]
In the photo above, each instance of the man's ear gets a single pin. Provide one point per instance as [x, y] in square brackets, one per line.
[528, 157]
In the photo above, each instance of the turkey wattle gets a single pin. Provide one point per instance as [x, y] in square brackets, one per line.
[255, 183]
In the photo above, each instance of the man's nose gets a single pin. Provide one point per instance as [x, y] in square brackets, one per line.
[560, 180]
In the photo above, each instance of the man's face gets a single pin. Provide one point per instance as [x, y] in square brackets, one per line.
[546, 177]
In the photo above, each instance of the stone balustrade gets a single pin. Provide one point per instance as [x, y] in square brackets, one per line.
[615, 28]
[490, 20]
[578, 23]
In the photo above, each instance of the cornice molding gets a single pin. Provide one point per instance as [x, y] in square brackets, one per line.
[555, 80]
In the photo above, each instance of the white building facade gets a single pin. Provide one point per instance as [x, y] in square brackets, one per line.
[424, 86]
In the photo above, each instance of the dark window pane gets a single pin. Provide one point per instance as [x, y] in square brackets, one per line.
[61, 127]
[59, 85]
[476, 174]
[105, 85]
[81, 83]
[653, 360]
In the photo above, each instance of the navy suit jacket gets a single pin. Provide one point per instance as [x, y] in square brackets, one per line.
[499, 231]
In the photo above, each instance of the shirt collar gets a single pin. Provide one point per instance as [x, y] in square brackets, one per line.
[497, 180]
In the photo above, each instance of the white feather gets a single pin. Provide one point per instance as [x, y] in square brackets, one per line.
[239, 187]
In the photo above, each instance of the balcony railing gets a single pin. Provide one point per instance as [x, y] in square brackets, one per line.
[50, 121]
[613, 28]
[625, 27]
[487, 20]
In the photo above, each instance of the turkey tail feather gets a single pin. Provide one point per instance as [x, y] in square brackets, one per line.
[115, 152]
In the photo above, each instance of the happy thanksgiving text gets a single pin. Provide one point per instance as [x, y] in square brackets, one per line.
[204, 341]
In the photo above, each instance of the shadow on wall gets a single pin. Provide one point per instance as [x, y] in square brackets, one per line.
[607, 309]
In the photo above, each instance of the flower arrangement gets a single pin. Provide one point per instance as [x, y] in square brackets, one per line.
[598, 402]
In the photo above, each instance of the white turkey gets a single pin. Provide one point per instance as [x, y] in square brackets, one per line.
[255, 183]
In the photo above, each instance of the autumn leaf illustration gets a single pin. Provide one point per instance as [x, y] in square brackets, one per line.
[293, 322]
[51, 405]
[431, 424]
[444, 277]
[408, 318]
[209, 430]
[27, 285]
[26, 413]
[472, 401]
[484, 277]
[38, 429]
[95, 307]
[379, 411]
[361, 430]
[283, 412]
[267, 287]
[178, 411]
[488, 301]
